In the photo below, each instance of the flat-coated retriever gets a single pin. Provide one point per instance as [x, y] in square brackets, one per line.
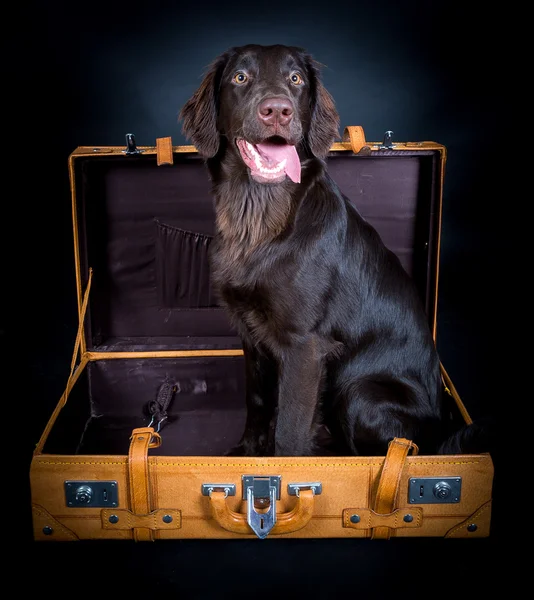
[332, 327]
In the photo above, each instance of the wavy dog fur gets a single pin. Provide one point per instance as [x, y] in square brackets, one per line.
[332, 327]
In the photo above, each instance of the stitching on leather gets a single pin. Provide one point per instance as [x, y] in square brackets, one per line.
[477, 514]
[78, 517]
[397, 515]
[398, 476]
[155, 487]
[255, 465]
[56, 523]
[132, 521]
[336, 465]
[74, 462]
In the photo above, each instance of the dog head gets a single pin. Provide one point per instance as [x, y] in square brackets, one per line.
[268, 103]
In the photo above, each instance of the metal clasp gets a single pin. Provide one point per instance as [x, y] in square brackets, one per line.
[262, 491]
[387, 143]
[293, 489]
[131, 147]
[435, 490]
[227, 488]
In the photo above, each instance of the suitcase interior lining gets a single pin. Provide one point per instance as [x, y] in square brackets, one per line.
[145, 231]
[206, 415]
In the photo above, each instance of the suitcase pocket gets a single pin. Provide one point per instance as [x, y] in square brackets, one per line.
[182, 269]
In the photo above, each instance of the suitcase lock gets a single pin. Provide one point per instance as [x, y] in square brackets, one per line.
[435, 490]
[261, 492]
[91, 494]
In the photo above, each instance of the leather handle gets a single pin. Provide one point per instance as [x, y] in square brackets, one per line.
[388, 486]
[142, 439]
[288, 522]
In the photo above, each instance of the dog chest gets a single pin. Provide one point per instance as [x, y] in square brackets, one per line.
[135, 448]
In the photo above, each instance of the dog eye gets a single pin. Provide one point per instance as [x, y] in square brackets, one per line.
[296, 78]
[240, 78]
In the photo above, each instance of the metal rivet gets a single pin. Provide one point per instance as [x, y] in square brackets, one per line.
[47, 530]
[355, 519]
[140, 437]
[472, 527]
[113, 519]
[167, 519]
[408, 518]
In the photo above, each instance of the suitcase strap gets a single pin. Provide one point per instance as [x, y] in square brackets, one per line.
[79, 333]
[73, 369]
[356, 136]
[142, 439]
[164, 151]
[388, 486]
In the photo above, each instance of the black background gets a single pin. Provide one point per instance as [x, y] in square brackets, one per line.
[88, 73]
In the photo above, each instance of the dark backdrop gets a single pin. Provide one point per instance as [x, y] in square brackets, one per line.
[87, 73]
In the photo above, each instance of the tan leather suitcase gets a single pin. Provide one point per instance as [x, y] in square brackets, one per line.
[135, 448]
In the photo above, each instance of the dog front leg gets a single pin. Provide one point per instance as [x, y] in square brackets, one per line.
[261, 377]
[300, 376]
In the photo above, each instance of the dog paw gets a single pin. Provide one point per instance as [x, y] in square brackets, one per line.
[238, 450]
[246, 449]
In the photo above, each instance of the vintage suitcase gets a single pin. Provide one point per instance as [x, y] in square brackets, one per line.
[135, 448]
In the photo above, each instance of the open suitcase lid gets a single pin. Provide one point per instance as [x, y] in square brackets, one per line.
[143, 222]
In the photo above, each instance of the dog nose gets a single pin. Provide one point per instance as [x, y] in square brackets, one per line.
[276, 111]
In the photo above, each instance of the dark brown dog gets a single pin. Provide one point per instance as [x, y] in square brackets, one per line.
[332, 327]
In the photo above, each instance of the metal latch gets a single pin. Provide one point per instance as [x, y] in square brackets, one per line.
[227, 488]
[435, 490]
[261, 491]
[387, 142]
[131, 147]
[293, 489]
[91, 494]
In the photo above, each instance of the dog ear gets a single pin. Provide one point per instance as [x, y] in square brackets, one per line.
[199, 113]
[324, 126]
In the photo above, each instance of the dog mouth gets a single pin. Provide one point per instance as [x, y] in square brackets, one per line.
[271, 160]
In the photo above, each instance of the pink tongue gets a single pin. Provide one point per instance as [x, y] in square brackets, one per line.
[276, 153]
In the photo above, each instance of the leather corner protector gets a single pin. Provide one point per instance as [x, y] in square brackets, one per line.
[476, 525]
[365, 518]
[48, 529]
[158, 520]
